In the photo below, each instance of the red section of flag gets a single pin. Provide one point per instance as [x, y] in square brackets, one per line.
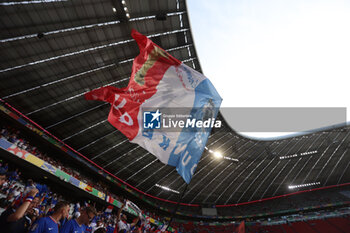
[19, 152]
[147, 71]
[14, 116]
[88, 188]
[111, 200]
[241, 228]
[109, 209]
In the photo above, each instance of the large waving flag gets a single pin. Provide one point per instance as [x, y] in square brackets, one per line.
[158, 81]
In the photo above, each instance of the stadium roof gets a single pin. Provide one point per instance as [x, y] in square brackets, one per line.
[55, 51]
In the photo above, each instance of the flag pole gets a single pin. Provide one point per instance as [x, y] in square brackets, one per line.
[177, 206]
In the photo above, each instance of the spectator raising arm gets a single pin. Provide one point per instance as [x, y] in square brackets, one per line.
[27, 202]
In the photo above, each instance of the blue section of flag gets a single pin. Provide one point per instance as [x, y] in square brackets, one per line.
[48, 167]
[4, 144]
[22, 121]
[191, 142]
[74, 181]
[42, 188]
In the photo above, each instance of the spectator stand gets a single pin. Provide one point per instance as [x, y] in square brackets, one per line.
[33, 160]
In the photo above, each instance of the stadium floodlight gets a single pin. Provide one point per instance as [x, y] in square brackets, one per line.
[114, 10]
[228, 158]
[303, 185]
[167, 188]
[218, 155]
[298, 155]
[123, 2]
[309, 152]
[125, 8]
[128, 15]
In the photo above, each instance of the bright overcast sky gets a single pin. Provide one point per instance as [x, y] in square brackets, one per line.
[275, 53]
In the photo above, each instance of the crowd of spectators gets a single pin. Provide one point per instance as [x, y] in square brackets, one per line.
[33, 207]
[15, 137]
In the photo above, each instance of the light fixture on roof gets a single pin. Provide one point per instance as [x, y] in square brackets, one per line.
[298, 155]
[303, 185]
[228, 158]
[167, 188]
[114, 10]
[128, 15]
[218, 155]
[125, 8]
[123, 2]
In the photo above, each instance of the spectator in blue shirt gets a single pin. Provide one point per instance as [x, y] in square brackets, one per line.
[79, 225]
[13, 175]
[50, 224]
